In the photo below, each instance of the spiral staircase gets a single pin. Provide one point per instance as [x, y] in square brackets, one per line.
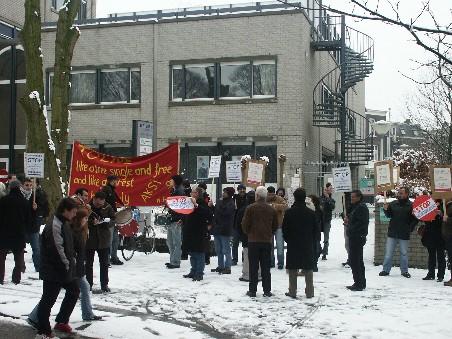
[354, 54]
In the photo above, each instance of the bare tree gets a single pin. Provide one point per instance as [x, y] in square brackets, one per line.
[44, 136]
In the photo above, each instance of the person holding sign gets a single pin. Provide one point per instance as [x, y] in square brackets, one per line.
[400, 227]
[174, 233]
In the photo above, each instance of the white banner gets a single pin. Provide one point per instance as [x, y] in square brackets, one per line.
[442, 179]
[34, 165]
[383, 175]
[234, 171]
[342, 179]
[215, 165]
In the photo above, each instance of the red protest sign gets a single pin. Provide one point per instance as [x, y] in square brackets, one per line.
[180, 204]
[143, 181]
[424, 208]
[3, 175]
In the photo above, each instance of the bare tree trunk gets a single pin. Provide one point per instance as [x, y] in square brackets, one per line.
[39, 136]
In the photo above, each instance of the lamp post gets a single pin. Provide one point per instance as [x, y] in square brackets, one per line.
[381, 128]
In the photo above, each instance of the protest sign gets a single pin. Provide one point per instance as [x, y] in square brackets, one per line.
[234, 171]
[342, 179]
[367, 186]
[255, 173]
[34, 165]
[424, 208]
[143, 181]
[384, 176]
[180, 204]
[441, 181]
[214, 167]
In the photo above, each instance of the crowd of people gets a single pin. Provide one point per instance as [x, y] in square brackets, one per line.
[261, 220]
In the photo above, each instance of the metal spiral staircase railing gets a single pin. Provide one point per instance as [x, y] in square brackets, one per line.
[354, 53]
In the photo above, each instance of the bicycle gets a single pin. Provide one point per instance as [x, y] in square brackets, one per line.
[136, 241]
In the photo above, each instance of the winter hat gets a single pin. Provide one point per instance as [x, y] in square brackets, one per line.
[177, 179]
[14, 184]
[250, 197]
[203, 185]
[230, 191]
[241, 187]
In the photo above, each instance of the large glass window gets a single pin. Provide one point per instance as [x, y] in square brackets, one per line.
[114, 85]
[83, 88]
[235, 80]
[199, 81]
[264, 78]
[135, 85]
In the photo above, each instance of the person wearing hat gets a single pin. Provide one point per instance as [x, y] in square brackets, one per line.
[222, 230]
[240, 201]
[112, 199]
[174, 233]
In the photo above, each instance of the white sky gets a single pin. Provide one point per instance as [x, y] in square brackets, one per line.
[386, 87]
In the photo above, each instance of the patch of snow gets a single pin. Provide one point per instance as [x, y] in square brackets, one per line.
[69, 116]
[246, 157]
[35, 95]
[36, 13]
[266, 159]
[70, 85]
[65, 4]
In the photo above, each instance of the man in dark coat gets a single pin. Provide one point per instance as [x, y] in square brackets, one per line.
[111, 197]
[240, 201]
[196, 225]
[15, 214]
[174, 231]
[100, 223]
[260, 223]
[58, 268]
[328, 206]
[222, 230]
[357, 221]
[400, 227]
[299, 227]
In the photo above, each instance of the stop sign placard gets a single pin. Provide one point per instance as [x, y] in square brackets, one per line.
[3, 175]
[424, 208]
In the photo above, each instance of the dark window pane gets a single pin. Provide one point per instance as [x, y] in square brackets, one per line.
[272, 168]
[83, 88]
[135, 85]
[20, 64]
[5, 112]
[235, 80]
[200, 82]
[21, 119]
[114, 86]
[5, 63]
[178, 84]
[264, 79]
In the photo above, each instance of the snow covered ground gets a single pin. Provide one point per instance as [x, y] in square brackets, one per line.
[149, 301]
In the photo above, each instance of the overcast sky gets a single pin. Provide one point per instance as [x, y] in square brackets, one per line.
[386, 87]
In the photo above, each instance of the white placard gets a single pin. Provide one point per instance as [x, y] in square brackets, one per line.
[383, 175]
[395, 175]
[442, 179]
[234, 171]
[34, 165]
[255, 173]
[342, 179]
[215, 165]
[295, 182]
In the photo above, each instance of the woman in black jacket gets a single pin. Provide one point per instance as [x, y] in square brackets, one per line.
[433, 241]
[317, 236]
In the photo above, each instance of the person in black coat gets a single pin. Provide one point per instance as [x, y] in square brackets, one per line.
[299, 228]
[15, 214]
[400, 227]
[318, 231]
[240, 201]
[174, 230]
[196, 228]
[357, 221]
[432, 239]
[58, 268]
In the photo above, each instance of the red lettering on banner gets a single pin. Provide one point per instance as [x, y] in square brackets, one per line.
[143, 181]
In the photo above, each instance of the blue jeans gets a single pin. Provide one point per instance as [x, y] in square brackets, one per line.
[33, 240]
[198, 262]
[85, 302]
[279, 248]
[174, 242]
[223, 249]
[391, 244]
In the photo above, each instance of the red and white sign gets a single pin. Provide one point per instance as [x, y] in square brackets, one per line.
[3, 175]
[180, 204]
[424, 208]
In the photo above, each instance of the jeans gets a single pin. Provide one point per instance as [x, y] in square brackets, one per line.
[114, 244]
[260, 253]
[19, 265]
[435, 253]
[33, 240]
[279, 248]
[50, 291]
[357, 261]
[391, 244]
[174, 243]
[103, 263]
[223, 249]
[85, 303]
[326, 237]
[235, 246]
[197, 261]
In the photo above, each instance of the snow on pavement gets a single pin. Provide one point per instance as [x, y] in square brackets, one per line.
[149, 301]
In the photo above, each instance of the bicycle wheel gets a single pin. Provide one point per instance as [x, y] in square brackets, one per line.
[149, 242]
[129, 246]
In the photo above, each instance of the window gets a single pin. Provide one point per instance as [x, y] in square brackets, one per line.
[235, 80]
[83, 88]
[106, 86]
[264, 78]
[199, 81]
[241, 79]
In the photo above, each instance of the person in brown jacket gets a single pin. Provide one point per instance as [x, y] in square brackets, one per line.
[259, 223]
[280, 205]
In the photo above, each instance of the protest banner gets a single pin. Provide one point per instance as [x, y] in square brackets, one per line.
[384, 176]
[342, 179]
[215, 166]
[424, 208]
[441, 181]
[255, 173]
[234, 171]
[34, 165]
[180, 204]
[143, 181]
[367, 186]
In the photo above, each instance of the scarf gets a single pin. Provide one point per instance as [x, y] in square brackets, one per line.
[26, 194]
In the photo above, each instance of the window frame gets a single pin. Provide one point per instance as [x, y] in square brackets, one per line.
[235, 63]
[113, 70]
[263, 62]
[70, 80]
[200, 65]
